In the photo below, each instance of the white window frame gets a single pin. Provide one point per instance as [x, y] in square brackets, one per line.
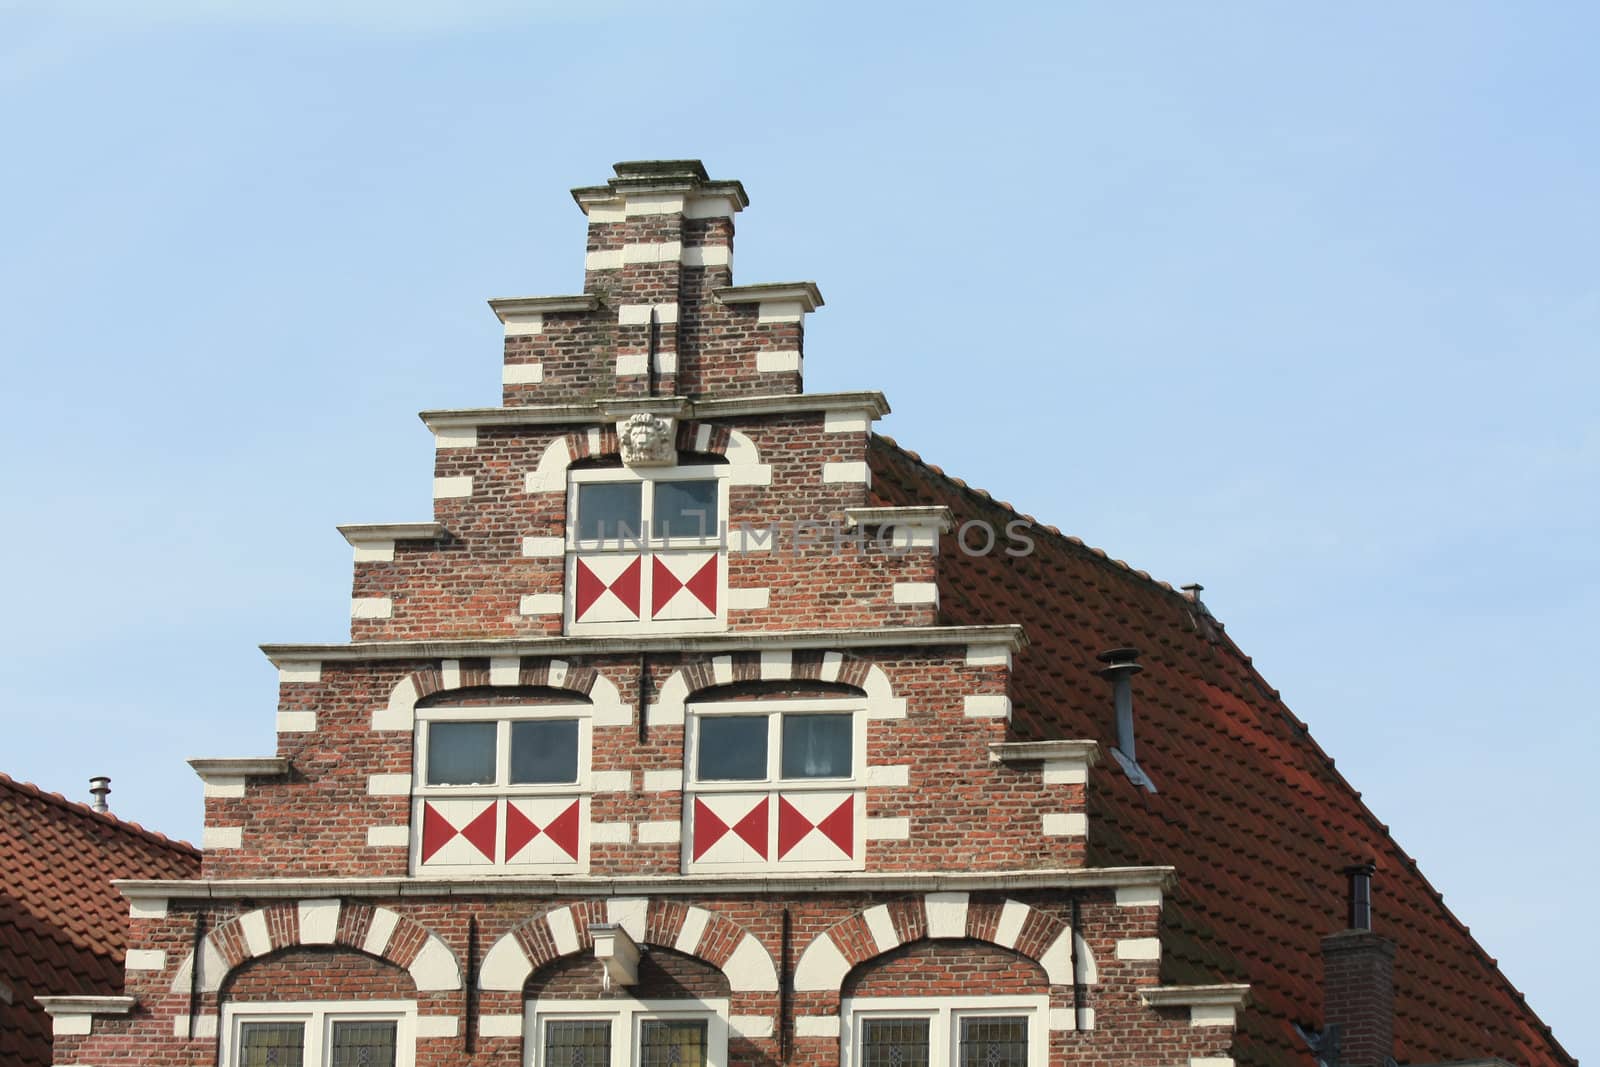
[318, 1017]
[625, 1015]
[501, 788]
[774, 783]
[943, 1015]
[647, 544]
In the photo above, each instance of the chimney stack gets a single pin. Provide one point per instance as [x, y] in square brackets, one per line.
[100, 788]
[1358, 980]
[1120, 667]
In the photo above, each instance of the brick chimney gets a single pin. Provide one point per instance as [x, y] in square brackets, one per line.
[1358, 982]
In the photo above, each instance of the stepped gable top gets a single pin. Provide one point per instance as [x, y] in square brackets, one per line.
[63, 927]
[1250, 811]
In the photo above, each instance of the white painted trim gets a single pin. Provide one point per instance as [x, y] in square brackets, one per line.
[371, 607]
[846, 472]
[777, 361]
[986, 706]
[522, 373]
[947, 914]
[1065, 824]
[388, 836]
[456, 487]
[299, 672]
[1139, 948]
[221, 837]
[942, 1014]
[916, 593]
[540, 604]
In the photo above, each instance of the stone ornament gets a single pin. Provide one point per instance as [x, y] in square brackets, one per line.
[648, 440]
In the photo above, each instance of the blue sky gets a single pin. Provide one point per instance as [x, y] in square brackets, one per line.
[1298, 302]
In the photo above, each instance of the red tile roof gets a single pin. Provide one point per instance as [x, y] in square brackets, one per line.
[63, 927]
[1250, 811]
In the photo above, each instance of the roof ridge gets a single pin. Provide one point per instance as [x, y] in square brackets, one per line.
[105, 818]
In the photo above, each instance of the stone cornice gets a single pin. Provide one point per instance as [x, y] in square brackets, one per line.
[657, 885]
[360, 533]
[1011, 636]
[1024, 751]
[60, 1007]
[805, 293]
[541, 305]
[1171, 996]
[936, 516]
[872, 403]
[210, 768]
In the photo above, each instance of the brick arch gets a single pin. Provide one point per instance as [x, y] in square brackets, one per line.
[400, 712]
[686, 928]
[549, 474]
[366, 928]
[1010, 924]
[844, 668]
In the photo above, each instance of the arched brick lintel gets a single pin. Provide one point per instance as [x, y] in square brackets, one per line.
[686, 928]
[401, 710]
[370, 929]
[843, 668]
[1013, 925]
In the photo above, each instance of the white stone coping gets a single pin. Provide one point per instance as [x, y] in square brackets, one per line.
[1173, 996]
[805, 293]
[210, 768]
[541, 305]
[362, 533]
[67, 1007]
[1010, 635]
[928, 517]
[871, 402]
[1026, 751]
[136, 889]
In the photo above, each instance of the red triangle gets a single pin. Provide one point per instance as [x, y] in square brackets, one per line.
[563, 830]
[753, 828]
[480, 831]
[663, 583]
[708, 829]
[519, 830]
[436, 832]
[840, 827]
[588, 591]
[792, 827]
[626, 585]
[704, 585]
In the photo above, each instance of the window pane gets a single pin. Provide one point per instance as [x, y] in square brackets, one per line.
[685, 509]
[994, 1041]
[362, 1044]
[732, 748]
[894, 1043]
[577, 1043]
[543, 751]
[609, 512]
[461, 753]
[271, 1044]
[816, 746]
[672, 1043]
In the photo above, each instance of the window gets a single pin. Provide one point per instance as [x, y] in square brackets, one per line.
[627, 1033]
[646, 552]
[945, 1031]
[501, 788]
[775, 784]
[376, 1034]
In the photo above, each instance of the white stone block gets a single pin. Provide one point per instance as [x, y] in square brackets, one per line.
[388, 785]
[887, 828]
[1065, 824]
[846, 472]
[987, 706]
[221, 837]
[300, 672]
[947, 914]
[1139, 948]
[388, 836]
[540, 604]
[611, 833]
[748, 599]
[666, 831]
[846, 422]
[1139, 896]
[544, 547]
[988, 656]
[145, 959]
[319, 921]
[522, 373]
[889, 776]
[778, 360]
[663, 781]
[453, 488]
[916, 593]
[371, 607]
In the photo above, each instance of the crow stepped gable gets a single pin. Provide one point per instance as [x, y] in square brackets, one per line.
[688, 733]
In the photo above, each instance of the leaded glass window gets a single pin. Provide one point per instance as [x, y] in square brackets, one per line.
[365, 1043]
[672, 1043]
[894, 1043]
[994, 1041]
[577, 1043]
[272, 1044]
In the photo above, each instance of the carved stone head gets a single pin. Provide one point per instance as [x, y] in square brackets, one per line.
[648, 440]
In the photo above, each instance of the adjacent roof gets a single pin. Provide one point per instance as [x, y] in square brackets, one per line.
[63, 928]
[1251, 812]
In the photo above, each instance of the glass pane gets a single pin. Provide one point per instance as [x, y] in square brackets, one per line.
[994, 1041]
[461, 753]
[577, 1043]
[363, 1044]
[732, 748]
[672, 1043]
[544, 751]
[271, 1044]
[894, 1043]
[816, 746]
[609, 512]
[685, 509]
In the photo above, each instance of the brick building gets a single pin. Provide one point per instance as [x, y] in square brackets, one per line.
[702, 726]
